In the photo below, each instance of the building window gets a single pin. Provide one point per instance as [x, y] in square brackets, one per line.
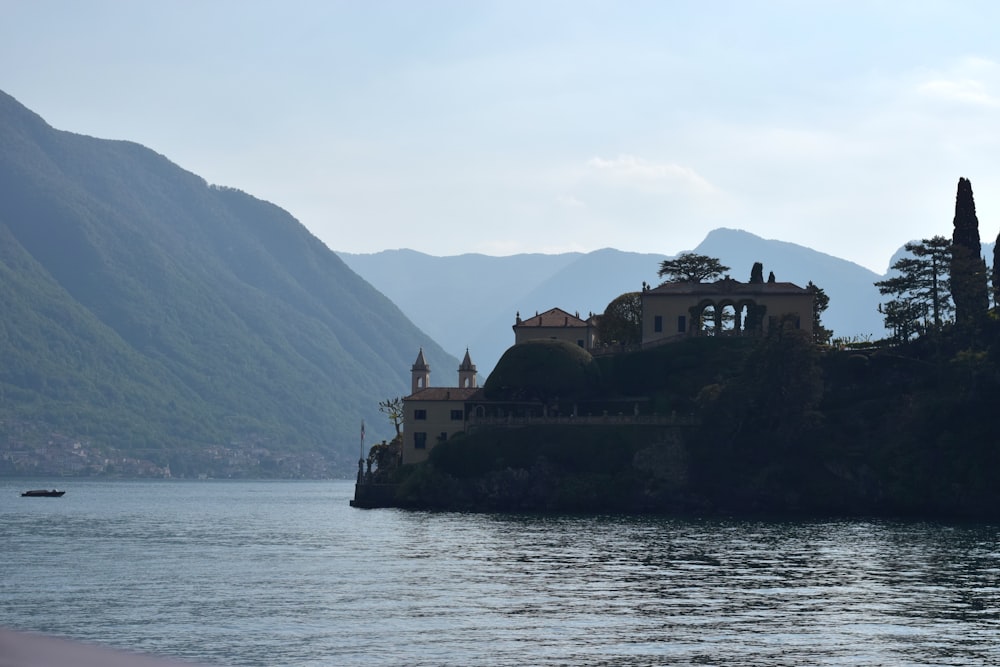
[579, 342]
[457, 415]
[420, 415]
[658, 323]
[420, 441]
[442, 437]
[682, 324]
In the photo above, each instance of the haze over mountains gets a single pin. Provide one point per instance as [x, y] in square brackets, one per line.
[185, 324]
[472, 300]
[148, 314]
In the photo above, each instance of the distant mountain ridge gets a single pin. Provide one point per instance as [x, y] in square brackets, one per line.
[170, 320]
[472, 300]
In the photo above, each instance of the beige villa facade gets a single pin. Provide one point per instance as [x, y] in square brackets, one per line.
[725, 307]
[556, 324]
[434, 414]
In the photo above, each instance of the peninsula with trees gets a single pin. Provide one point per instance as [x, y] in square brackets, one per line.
[709, 395]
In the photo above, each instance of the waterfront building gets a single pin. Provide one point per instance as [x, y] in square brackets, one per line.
[431, 415]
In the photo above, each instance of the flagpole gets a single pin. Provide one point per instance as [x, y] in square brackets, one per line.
[361, 456]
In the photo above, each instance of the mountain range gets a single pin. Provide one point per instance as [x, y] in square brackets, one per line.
[156, 322]
[471, 301]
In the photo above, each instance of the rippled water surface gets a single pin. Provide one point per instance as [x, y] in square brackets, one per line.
[286, 573]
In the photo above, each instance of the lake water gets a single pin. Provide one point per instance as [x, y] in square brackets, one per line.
[286, 573]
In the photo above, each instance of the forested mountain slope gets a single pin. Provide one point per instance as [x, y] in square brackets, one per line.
[151, 314]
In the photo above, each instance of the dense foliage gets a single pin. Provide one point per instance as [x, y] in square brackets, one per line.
[543, 370]
[621, 322]
[820, 334]
[784, 426]
[568, 469]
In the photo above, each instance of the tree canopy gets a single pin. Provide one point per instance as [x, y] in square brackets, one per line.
[622, 320]
[392, 408]
[545, 370]
[919, 292]
[689, 267]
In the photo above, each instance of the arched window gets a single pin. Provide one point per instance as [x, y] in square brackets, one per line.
[728, 320]
[706, 321]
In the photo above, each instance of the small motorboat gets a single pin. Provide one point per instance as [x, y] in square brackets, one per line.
[42, 493]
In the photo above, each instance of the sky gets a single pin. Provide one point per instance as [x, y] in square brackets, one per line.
[503, 127]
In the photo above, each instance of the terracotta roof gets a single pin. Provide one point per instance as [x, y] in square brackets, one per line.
[726, 286]
[557, 317]
[444, 394]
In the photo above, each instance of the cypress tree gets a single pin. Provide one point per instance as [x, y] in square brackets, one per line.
[821, 302]
[996, 272]
[968, 270]
[757, 273]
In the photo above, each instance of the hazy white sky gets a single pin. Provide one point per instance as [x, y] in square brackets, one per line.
[543, 126]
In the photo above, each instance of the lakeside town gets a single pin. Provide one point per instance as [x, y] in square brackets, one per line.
[64, 456]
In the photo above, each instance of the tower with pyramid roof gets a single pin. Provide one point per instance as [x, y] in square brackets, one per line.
[467, 373]
[432, 415]
[420, 373]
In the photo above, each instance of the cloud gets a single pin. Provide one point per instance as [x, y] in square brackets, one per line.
[633, 172]
[965, 91]
[971, 82]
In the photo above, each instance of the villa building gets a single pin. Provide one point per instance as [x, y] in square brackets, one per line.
[434, 414]
[556, 324]
[670, 312]
[726, 307]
